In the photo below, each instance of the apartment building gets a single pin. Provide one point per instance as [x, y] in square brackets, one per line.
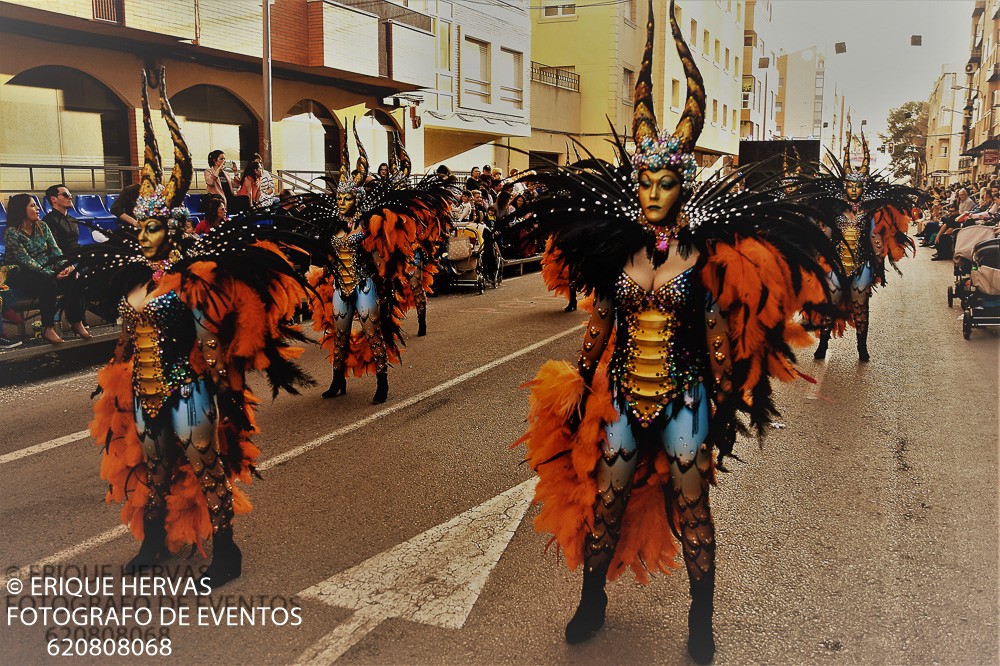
[981, 91]
[602, 43]
[944, 124]
[69, 82]
[812, 104]
[479, 97]
[759, 86]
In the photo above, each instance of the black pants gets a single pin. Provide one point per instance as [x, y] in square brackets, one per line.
[36, 284]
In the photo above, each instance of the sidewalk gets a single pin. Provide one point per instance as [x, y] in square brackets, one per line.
[104, 338]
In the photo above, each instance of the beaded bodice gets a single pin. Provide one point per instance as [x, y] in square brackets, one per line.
[354, 263]
[853, 252]
[162, 336]
[659, 353]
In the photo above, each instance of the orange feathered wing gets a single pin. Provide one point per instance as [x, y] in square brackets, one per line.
[114, 428]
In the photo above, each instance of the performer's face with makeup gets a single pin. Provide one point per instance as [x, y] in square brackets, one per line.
[658, 192]
[853, 190]
[153, 239]
[346, 203]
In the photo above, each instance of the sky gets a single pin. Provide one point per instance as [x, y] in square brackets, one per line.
[880, 69]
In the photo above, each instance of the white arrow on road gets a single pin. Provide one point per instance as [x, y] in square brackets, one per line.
[434, 578]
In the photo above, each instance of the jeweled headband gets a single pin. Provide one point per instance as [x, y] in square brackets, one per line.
[665, 152]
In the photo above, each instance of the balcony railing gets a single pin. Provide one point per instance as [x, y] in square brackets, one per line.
[388, 11]
[976, 56]
[553, 76]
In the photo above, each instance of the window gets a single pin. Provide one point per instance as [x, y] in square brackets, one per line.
[715, 110]
[694, 34]
[476, 69]
[678, 16]
[944, 150]
[747, 92]
[718, 52]
[748, 39]
[633, 12]
[778, 107]
[781, 82]
[736, 66]
[725, 115]
[628, 86]
[704, 42]
[443, 30]
[734, 119]
[510, 75]
[550, 10]
[675, 94]
[739, 12]
[727, 59]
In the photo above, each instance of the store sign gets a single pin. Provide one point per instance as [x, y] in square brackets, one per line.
[991, 156]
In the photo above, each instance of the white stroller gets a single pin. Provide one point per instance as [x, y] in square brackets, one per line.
[966, 241]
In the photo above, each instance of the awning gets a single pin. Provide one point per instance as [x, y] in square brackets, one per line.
[985, 145]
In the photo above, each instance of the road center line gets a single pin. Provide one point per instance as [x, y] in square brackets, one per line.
[44, 446]
[121, 530]
[409, 402]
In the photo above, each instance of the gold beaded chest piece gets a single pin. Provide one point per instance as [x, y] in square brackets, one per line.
[656, 358]
[162, 335]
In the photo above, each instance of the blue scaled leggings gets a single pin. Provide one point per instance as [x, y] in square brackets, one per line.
[363, 301]
[186, 423]
[683, 438]
[859, 294]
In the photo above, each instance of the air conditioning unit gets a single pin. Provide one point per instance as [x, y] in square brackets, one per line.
[971, 68]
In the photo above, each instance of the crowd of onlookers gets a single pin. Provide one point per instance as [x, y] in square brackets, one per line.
[954, 207]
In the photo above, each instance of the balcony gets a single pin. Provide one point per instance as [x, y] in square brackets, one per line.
[404, 41]
[108, 10]
[553, 76]
[994, 73]
[976, 56]
[979, 8]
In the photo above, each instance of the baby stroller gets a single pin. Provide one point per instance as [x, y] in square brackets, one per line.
[965, 242]
[462, 257]
[982, 304]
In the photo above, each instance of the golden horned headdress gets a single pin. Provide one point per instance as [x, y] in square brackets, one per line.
[347, 183]
[861, 173]
[158, 199]
[658, 150]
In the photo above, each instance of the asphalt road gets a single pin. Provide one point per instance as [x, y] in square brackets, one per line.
[864, 532]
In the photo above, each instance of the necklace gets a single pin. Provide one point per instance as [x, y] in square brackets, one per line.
[160, 268]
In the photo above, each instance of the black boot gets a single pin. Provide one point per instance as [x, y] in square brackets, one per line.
[153, 548]
[421, 324]
[824, 344]
[589, 616]
[572, 302]
[701, 640]
[338, 386]
[863, 347]
[381, 388]
[227, 559]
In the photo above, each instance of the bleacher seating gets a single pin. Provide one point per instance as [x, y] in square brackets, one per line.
[92, 206]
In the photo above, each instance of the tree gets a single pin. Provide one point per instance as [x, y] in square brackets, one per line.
[906, 132]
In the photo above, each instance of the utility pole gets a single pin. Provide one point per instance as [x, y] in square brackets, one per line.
[265, 148]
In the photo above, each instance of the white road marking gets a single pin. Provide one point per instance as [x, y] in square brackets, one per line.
[69, 553]
[409, 402]
[121, 530]
[434, 578]
[44, 446]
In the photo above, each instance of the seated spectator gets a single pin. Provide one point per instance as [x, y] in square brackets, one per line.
[268, 192]
[444, 173]
[33, 250]
[63, 227]
[944, 242]
[7, 293]
[215, 214]
[124, 206]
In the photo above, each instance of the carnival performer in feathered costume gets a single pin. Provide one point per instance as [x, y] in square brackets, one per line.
[370, 237]
[433, 224]
[694, 290]
[174, 414]
[865, 216]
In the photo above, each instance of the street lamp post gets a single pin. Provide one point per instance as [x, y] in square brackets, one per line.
[265, 148]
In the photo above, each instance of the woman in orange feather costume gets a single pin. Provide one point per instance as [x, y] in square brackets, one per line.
[370, 236]
[175, 415]
[694, 290]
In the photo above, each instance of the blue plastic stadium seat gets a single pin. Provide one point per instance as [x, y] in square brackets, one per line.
[109, 201]
[3, 215]
[193, 203]
[92, 206]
